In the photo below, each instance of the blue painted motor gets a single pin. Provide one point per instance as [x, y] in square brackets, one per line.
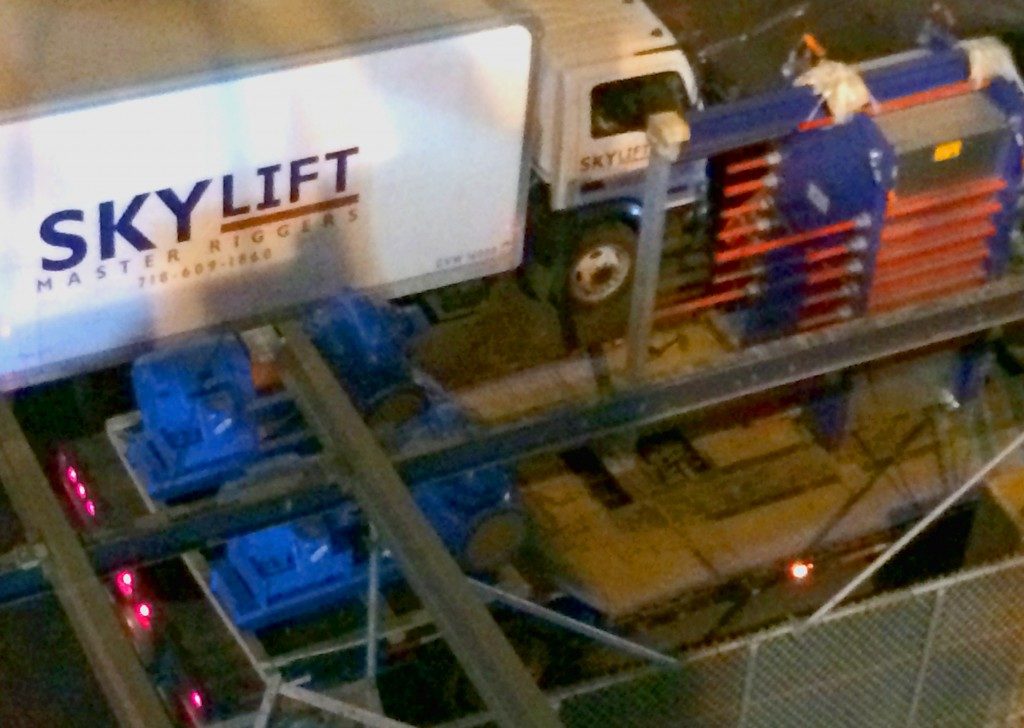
[367, 347]
[290, 571]
[287, 571]
[294, 570]
[198, 427]
[475, 512]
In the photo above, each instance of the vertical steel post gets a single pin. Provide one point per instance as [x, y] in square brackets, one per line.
[926, 656]
[748, 685]
[666, 133]
[373, 607]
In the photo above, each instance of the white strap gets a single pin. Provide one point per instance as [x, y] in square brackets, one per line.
[989, 58]
[840, 86]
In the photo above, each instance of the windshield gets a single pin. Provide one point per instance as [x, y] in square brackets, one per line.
[620, 106]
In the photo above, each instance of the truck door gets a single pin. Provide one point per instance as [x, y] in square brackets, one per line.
[615, 105]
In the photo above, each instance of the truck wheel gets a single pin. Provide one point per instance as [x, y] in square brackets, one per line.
[603, 264]
[597, 280]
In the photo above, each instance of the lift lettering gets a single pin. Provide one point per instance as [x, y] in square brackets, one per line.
[117, 227]
[616, 158]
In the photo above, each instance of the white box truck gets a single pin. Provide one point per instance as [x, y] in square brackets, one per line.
[172, 166]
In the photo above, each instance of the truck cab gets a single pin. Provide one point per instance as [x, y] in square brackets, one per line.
[602, 69]
[601, 72]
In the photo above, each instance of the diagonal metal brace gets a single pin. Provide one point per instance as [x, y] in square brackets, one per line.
[933, 515]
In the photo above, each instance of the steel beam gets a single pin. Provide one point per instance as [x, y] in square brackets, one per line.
[927, 650]
[600, 636]
[373, 607]
[340, 708]
[268, 702]
[270, 500]
[81, 594]
[478, 643]
[752, 371]
[748, 684]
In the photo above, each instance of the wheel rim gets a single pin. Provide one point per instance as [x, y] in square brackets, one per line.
[599, 273]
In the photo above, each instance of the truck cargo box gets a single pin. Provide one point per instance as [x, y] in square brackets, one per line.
[177, 165]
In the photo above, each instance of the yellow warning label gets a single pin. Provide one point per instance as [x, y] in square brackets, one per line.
[949, 150]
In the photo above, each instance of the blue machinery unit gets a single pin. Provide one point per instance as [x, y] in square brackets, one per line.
[816, 221]
[197, 418]
[203, 425]
[298, 568]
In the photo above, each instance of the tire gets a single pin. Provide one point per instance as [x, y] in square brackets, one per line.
[598, 279]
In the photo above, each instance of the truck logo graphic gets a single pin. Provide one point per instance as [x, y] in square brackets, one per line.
[58, 230]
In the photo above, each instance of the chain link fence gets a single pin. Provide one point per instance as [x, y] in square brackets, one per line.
[947, 653]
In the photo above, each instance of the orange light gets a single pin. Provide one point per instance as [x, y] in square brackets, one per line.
[800, 570]
[814, 46]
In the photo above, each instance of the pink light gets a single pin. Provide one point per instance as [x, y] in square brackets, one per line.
[82, 492]
[90, 508]
[125, 583]
[71, 473]
[143, 613]
[196, 699]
